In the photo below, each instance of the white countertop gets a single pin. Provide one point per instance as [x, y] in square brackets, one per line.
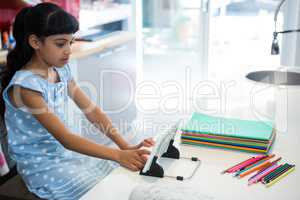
[82, 49]
[283, 106]
[209, 181]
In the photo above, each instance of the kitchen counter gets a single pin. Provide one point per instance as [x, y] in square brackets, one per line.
[241, 98]
[83, 49]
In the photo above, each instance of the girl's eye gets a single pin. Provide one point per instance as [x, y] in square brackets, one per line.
[60, 45]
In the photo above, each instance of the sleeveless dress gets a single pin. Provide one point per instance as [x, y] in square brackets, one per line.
[48, 169]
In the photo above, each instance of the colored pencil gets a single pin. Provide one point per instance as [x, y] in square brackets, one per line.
[233, 167]
[279, 173]
[271, 164]
[247, 168]
[258, 167]
[247, 163]
[280, 177]
[266, 167]
[267, 157]
[254, 164]
[276, 172]
[260, 176]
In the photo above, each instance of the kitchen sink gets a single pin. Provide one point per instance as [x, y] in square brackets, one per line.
[275, 77]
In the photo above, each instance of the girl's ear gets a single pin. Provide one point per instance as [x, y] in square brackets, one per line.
[34, 42]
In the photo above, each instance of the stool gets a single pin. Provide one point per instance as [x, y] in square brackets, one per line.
[15, 189]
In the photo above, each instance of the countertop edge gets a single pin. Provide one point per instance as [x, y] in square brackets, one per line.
[83, 49]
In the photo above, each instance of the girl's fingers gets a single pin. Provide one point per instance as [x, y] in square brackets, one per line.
[147, 144]
[136, 146]
[139, 164]
[143, 151]
[149, 140]
[139, 158]
[145, 158]
[133, 167]
[152, 140]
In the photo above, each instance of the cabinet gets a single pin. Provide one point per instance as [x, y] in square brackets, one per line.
[100, 18]
[109, 79]
[108, 76]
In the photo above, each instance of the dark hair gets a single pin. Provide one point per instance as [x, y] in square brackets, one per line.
[42, 20]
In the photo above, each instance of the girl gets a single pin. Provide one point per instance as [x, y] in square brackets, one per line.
[37, 82]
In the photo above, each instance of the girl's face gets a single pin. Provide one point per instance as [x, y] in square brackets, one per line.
[55, 50]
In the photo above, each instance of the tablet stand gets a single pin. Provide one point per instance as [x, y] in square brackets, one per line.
[156, 170]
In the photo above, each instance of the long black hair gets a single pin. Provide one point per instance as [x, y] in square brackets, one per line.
[42, 20]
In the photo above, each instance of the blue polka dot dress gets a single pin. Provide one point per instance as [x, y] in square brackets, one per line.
[48, 169]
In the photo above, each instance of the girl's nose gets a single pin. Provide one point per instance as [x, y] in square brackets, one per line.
[68, 50]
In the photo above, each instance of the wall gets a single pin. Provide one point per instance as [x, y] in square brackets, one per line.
[290, 51]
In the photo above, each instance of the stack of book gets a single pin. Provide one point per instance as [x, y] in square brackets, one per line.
[245, 135]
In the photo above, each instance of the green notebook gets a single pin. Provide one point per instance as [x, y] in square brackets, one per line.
[229, 127]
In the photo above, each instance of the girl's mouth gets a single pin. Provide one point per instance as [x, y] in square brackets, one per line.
[65, 59]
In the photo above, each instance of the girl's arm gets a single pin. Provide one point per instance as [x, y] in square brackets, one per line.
[132, 159]
[97, 117]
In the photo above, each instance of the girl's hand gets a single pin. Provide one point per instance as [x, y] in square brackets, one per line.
[133, 159]
[149, 142]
